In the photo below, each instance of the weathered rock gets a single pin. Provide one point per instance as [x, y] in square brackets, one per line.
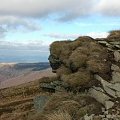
[115, 68]
[115, 77]
[115, 43]
[109, 88]
[104, 43]
[110, 92]
[117, 56]
[110, 49]
[54, 62]
[39, 102]
[115, 86]
[117, 46]
[109, 104]
[98, 95]
[86, 117]
[54, 86]
[97, 77]
[118, 94]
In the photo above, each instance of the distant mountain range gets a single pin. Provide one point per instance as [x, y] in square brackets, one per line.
[12, 74]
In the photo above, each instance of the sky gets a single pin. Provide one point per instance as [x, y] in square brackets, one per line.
[28, 27]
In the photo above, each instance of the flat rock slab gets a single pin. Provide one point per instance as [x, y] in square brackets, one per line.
[109, 104]
[40, 101]
[117, 56]
[115, 77]
[98, 95]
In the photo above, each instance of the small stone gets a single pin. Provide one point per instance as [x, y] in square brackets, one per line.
[109, 116]
[118, 94]
[109, 104]
[117, 101]
[98, 88]
[117, 46]
[104, 43]
[115, 77]
[110, 91]
[118, 113]
[86, 117]
[115, 86]
[105, 119]
[40, 101]
[115, 68]
[107, 86]
[98, 78]
[117, 56]
[106, 112]
[103, 110]
[110, 49]
[115, 43]
[98, 95]
[102, 116]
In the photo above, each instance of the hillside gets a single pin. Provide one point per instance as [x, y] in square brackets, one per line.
[10, 70]
[86, 85]
[12, 74]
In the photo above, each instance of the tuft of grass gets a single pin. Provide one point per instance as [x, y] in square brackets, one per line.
[97, 66]
[63, 70]
[114, 35]
[80, 78]
[60, 115]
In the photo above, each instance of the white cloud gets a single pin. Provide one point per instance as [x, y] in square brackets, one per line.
[2, 32]
[27, 45]
[108, 7]
[11, 22]
[98, 34]
[39, 8]
[62, 36]
[66, 9]
[20, 14]
[74, 36]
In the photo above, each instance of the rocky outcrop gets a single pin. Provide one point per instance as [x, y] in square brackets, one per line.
[75, 62]
[91, 68]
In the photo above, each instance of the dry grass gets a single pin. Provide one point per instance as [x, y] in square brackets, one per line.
[16, 103]
[77, 60]
[47, 79]
[56, 47]
[83, 53]
[60, 115]
[63, 70]
[97, 66]
[76, 106]
[114, 35]
[28, 89]
[79, 78]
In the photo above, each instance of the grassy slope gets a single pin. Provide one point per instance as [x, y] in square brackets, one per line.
[17, 102]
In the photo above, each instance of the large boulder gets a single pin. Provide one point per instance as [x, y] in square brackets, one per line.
[76, 61]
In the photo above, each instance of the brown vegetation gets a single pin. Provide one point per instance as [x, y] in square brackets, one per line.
[79, 60]
[114, 35]
[67, 106]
